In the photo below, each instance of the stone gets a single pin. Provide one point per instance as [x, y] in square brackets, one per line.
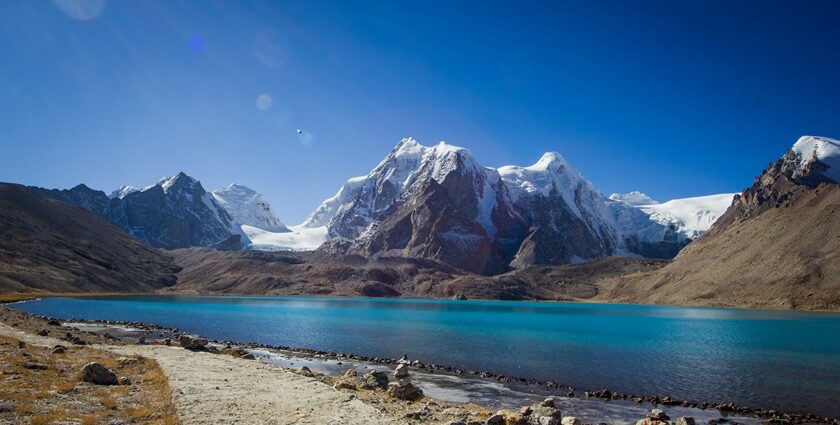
[526, 411]
[21, 344]
[124, 380]
[539, 411]
[167, 341]
[248, 356]
[406, 391]
[7, 406]
[570, 420]
[657, 414]
[548, 420]
[43, 332]
[685, 420]
[350, 373]
[401, 371]
[191, 343]
[345, 384]
[35, 366]
[374, 380]
[496, 419]
[97, 374]
[549, 402]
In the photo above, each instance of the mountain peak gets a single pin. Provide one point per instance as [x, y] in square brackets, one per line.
[810, 149]
[548, 159]
[123, 191]
[634, 198]
[179, 180]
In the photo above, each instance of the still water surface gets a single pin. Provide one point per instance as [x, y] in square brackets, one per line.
[783, 360]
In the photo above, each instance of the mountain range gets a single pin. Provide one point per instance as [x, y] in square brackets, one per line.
[431, 221]
[431, 202]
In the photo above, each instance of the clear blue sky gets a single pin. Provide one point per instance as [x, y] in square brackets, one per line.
[673, 98]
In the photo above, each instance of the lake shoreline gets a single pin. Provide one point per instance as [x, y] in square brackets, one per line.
[726, 409]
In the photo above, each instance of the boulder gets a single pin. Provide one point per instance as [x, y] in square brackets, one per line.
[401, 371]
[97, 374]
[375, 380]
[495, 419]
[541, 410]
[657, 414]
[345, 384]
[685, 420]
[191, 343]
[570, 420]
[405, 391]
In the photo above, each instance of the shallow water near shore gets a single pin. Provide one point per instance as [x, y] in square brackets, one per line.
[782, 360]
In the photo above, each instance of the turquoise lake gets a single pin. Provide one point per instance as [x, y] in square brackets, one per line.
[783, 360]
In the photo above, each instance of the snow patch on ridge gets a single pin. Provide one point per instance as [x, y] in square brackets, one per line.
[822, 149]
[634, 198]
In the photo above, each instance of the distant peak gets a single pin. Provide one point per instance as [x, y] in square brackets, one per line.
[634, 198]
[180, 179]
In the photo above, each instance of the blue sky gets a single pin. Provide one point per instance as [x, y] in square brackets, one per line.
[672, 98]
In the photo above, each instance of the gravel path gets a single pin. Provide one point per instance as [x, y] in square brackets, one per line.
[219, 389]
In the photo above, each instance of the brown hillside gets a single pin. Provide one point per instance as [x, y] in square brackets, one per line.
[785, 257]
[49, 246]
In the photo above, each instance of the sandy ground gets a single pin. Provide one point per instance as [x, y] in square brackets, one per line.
[217, 389]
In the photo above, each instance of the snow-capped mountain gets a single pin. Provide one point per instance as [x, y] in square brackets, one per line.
[809, 163]
[439, 202]
[247, 207]
[634, 198]
[123, 191]
[812, 155]
[690, 217]
[174, 213]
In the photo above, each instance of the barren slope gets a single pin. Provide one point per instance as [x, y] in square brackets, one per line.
[786, 257]
[49, 246]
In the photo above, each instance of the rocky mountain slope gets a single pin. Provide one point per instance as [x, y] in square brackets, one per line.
[440, 203]
[174, 213]
[50, 246]
[777, 246]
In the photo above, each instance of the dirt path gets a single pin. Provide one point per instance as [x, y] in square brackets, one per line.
[218, 389]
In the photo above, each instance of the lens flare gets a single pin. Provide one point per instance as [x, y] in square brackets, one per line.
[80, 10]
[264, 102]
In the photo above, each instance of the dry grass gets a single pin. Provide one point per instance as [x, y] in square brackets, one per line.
[57, 393]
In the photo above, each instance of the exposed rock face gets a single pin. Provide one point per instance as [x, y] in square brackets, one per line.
[439, 203]
[97, 374]
[174, 213]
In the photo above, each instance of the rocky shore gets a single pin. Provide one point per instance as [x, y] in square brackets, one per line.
[402, 388]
